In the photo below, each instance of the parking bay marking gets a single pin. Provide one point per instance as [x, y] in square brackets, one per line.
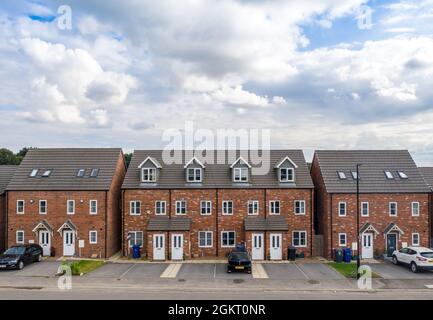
[129, 269]
[259, 272]
[302, 271]
[171, 271]
[429, 286]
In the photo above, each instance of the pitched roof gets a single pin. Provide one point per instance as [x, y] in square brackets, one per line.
[65, 164]
[169, 224]
[265, 224]
[6, 174]
[427, 173]
[217, 173]
[372, 172]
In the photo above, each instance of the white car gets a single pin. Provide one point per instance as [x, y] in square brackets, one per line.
[418, 258]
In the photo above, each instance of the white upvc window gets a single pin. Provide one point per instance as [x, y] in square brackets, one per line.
[20, 237]
[70, 207]
[135, 238]
[228, 239]
[275, 207]
[299, 238]
[148, 174]
[342, 239]
[287, 174]
[300, 207]
[205, 239]
[227, 208]
[160, 208]
[93, 207]
[393, 209]
[365, 209]
[42, 206]
[240, 174]
[194, 174]
[135, 208]
[21, 206]
[342, 209]
[253, 207]
[415, 209]
[181, 207]
[93, 237]
[415, 239]
[206, 208]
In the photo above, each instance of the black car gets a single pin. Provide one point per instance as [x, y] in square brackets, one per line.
[239, 261]
[17, 257]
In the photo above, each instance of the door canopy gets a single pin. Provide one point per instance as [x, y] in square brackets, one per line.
[368, 227]
[43, 225]
[68, 225]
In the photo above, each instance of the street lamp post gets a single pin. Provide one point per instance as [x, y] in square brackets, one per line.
[358, 258]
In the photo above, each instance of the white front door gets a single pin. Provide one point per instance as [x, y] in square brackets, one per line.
[258, 250]
[367, 246]
[45, 242]
[276, 247]
[177, 247]
[159, 247]
[68, 243]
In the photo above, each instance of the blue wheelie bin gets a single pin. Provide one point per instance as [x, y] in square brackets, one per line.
[136, 251]
[347, 255]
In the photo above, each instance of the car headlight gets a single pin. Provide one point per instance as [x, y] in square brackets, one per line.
[13, 261]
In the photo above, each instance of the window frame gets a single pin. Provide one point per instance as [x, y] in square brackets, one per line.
[345, 209]
[207, 207]
[90, 237]
[419, 239]
[162, 212]
[194, 170]
[67, 207]
[177, 207]
[153, 175]
[240, 169]
[46, 207]
[300, 232]
[23, 211]
[23, 236]
[228, 238]
[256, 209]
[362, 209]
[134, 212]
[224, 213]
[396, 209]
[273, 203]
[90, 207]
[418, 208]
[135, 238]
[287, 169]
[345, 239]
[304, 206]
[206, 233]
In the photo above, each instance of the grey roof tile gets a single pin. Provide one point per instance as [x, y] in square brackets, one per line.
[372, 172]
[6, 174]
[65, 164]
[427, 173]
[169, 224]
[265, 224]
[216, 175]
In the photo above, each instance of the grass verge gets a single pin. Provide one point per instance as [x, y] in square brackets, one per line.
[83, 267]
[348, 270]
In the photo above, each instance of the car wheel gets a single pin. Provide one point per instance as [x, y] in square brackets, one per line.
[413, 267]
[20, 265]
[395, 260]
[39, 258]
[249, 271]
[229, 270]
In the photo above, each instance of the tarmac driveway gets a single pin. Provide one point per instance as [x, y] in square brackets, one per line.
[389, 271]
[313, 271]
[39, 269]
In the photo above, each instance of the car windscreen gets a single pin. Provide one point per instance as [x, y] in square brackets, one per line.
[427, 254]
[15, 250]
[239, 256]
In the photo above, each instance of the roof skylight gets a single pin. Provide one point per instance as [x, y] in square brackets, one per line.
[34, 172]
[389, 175]
[342, 175]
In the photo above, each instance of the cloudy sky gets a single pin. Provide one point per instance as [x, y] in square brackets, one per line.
[314, 72]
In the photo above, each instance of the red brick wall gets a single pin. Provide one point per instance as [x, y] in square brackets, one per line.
[57, 216]
[218, 223]
[2, 222]
[114, 212]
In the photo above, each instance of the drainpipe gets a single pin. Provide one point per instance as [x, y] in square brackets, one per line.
[312, 210]
[122, 209]
[106, 223]
[217, 221]
[266, 233]
[331, 226]
[6, 241]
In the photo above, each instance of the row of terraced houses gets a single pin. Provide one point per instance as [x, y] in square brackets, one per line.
[87, 203]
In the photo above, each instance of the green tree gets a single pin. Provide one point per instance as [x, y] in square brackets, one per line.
[7, 157]
[128, 157]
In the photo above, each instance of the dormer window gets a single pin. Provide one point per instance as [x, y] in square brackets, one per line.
[148, 174]
[194, 175]
[240, 174]
[287, 174]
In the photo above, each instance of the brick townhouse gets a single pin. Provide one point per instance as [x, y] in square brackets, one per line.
[394, 201]
[68, 201]
[195, 208]
[6, 173]
[427, 172]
